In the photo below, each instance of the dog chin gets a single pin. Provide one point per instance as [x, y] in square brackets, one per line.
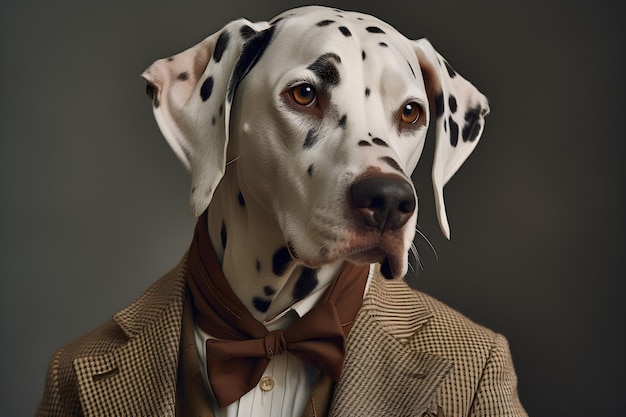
[393, 263]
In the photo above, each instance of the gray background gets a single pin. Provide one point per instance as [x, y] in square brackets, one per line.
[94, 204]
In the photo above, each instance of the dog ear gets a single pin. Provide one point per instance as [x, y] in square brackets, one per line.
[192, 93]
[459, 110]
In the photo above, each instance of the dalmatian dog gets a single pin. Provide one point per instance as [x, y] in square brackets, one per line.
[300, 135]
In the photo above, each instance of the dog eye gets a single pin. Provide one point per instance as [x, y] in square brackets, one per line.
[410, 113]
[304, 94]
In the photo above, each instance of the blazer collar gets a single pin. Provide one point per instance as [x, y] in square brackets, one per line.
[139, 376]
[383, 373]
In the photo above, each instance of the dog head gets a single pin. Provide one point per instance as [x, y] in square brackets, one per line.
[325, 113]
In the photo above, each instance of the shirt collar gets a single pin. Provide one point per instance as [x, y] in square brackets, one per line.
[300, 308]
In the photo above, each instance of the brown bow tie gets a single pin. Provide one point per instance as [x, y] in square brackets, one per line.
[236, 362]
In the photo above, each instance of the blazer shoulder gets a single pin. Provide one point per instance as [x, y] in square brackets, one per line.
[457, 330]
[163, 298]
[482, 380]
[450, 317]
[60, 395]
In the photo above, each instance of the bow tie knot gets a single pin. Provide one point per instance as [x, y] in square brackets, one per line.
[275, 343]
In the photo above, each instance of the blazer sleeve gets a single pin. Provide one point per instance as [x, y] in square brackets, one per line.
[497, 395]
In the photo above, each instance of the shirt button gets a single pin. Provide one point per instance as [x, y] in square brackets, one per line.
[266, 383]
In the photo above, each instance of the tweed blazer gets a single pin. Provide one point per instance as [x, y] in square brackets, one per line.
[407, 355]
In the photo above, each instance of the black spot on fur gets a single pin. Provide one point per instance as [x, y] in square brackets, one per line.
[380, 142]
[241, 200]
[385, 269]
[325, 69]
[383, 44]
[367, 92]
[151, 92]
[223, 235]
[309, 170]
[269, 291]
[391, 162]
[324, 23]
[454, 132]
[246, 32]
[280, 261]
[451, 71]
[261, 304]
[206, 89]
[311, 138]
[250, 54]
[346, 32]
[374, 29]
[439, 105]
[305, 284]
[364, 143]
[258, 266]
[183, 76]
[221, 109]
[369, 134]
[213, 120]
[193, 190]
[363, 55]
[471, 131]
[445, 125]
[342, 121]
[472, 125]
[220, 46]
[452, 104]
[170, 58]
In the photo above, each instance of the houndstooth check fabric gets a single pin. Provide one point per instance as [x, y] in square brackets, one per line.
[408, 355]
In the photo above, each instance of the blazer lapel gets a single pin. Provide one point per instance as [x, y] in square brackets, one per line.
[139, 377]
[383, 374]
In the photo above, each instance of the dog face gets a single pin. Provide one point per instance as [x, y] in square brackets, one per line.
[325, 113]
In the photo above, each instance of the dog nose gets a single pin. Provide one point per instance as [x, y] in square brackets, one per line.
[384, 203]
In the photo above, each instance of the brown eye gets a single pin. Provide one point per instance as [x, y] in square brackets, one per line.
[304, 95]
[410, 113]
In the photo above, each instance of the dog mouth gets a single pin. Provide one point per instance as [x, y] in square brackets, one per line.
[387, 252]
[329, 242]
[392, 265]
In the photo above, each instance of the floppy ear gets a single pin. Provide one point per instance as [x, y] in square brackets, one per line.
[192, 93]
[459, 110]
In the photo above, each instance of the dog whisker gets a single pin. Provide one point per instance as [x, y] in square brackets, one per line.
[233, 160]
[416, 256]
[417, 229]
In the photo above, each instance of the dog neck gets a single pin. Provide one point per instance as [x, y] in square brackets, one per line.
[255, 260]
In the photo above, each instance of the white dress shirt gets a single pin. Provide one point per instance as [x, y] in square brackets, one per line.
[284, 389]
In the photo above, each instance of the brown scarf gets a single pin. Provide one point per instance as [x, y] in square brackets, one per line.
[236, 362]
